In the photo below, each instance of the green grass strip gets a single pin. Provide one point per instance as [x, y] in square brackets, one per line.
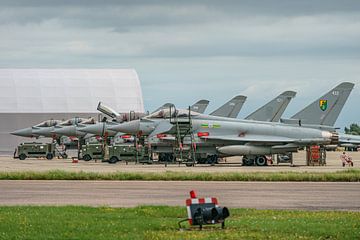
[160, 222]
[352, 175]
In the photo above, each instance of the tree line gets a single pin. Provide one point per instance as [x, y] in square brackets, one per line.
[354, 129]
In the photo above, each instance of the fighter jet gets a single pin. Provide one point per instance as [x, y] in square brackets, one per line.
[102, 128]
[37, 130]
[271, 111]
[227, 136]
[52, 128]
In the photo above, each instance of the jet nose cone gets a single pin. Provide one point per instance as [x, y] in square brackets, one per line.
[131, 127]
[25, 132]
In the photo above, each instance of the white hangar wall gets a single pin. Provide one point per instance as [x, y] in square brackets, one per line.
[30, 96]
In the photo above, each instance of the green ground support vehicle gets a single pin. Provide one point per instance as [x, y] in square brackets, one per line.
[35, 150]
[127, 153]
[115, 153]
[92, 151]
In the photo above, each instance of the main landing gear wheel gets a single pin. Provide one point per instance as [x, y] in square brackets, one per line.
[248, 161]
[261, 161]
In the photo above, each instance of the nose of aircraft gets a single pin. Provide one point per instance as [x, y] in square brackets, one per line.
[132, 127]
[25, 132]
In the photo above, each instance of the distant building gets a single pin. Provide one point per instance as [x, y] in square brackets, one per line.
[30, 96]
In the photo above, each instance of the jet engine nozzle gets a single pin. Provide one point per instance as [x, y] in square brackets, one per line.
[334, 138]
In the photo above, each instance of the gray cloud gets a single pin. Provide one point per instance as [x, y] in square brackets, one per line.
[212, 49]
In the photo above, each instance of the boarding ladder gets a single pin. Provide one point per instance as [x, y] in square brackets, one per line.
[183, 128]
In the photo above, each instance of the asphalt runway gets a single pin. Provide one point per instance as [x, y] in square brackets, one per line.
[260, 195]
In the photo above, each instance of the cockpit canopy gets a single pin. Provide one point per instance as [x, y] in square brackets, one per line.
[171, 112]
[48, 123]
[77, 120]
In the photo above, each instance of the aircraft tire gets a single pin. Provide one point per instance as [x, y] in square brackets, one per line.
[87, 158]
[261, 161]
[248, 161]
[49, 156]
[113, 160]
[22, 156]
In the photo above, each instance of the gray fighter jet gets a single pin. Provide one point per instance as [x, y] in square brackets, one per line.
[37, 130]
[226, 136]
[229, 109]
[53, 128]
[271, 111]
[102, 128]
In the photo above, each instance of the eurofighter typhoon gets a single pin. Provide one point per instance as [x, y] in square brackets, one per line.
[220, 136]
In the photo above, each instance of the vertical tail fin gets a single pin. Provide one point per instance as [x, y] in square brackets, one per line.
[272, 111]
[326, 109]
[200, 106]
[166, 105]
[230, 109]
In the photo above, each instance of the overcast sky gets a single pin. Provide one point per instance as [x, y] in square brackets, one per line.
[187, 50]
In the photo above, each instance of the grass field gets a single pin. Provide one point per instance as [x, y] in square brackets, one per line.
[150, 222]
[352, 175]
